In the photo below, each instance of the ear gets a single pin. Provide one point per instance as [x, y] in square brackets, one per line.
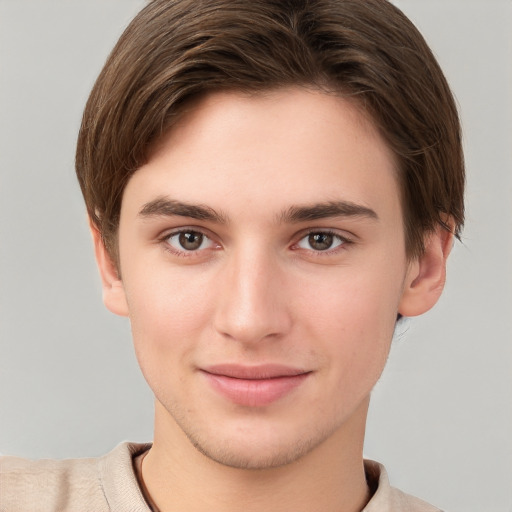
[426, 275]
[114, 296]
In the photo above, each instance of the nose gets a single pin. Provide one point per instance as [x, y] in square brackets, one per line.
[252, 305]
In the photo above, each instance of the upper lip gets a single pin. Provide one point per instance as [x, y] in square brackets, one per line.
[262, 371]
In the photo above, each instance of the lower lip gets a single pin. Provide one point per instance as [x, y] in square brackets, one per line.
[255, 392]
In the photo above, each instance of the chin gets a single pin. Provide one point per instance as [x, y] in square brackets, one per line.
[256, 448]
[254, 457]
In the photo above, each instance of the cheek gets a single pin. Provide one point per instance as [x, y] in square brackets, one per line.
[353, 324]
[167, 313]
[356, 302]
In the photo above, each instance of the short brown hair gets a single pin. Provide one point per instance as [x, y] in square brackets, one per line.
[175, 50]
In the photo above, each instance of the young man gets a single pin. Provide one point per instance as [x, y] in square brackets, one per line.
[271, 186]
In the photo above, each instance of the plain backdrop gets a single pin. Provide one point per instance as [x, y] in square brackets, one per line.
[441, 416]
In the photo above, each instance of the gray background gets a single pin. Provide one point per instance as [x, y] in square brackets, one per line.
[441, 417]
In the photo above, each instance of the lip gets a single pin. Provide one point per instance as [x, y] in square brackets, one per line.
[254, 386]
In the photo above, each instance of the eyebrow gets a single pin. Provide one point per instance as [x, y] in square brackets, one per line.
[325, 210]
[165, 207]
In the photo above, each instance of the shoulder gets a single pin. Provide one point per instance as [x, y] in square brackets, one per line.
[73, 485]
[387, 498]
[49, 485]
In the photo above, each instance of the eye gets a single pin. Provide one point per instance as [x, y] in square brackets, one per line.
[189, 240]
[321, 241]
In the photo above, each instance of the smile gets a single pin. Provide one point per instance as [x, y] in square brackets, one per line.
[254, 386]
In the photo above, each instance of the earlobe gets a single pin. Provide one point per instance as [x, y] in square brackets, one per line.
[114, 296]
[426, 275]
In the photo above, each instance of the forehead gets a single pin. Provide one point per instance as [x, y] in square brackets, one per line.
[272, 150]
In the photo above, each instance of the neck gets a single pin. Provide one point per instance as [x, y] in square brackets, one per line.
[330, 477]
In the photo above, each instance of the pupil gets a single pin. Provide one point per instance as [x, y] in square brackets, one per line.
[320, 241]
[191, 240]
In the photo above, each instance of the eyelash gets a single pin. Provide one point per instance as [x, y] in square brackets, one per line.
[344, 242]
[184, 253]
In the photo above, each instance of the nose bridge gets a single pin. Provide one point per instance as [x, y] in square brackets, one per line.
[251, 306]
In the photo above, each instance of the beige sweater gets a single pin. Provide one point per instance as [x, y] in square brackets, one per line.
[109, 483]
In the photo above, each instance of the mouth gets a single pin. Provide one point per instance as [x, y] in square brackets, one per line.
[254, 386]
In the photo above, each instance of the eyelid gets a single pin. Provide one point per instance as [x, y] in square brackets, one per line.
[168, 232]
[345, 238]
[164, 237]
[204, 241]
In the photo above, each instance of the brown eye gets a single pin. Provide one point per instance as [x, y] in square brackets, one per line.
[321, 241]
[186, 241]
[190, 241]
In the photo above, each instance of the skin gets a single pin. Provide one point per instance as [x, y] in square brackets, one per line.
[258, 282]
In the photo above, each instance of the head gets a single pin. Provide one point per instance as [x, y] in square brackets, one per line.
[269, 184]
[174, 52]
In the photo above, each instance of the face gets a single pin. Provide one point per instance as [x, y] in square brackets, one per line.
[262, 265]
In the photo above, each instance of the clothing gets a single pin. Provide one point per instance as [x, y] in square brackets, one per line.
[109, 483]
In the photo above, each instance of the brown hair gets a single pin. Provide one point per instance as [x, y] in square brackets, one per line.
[175, 50]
